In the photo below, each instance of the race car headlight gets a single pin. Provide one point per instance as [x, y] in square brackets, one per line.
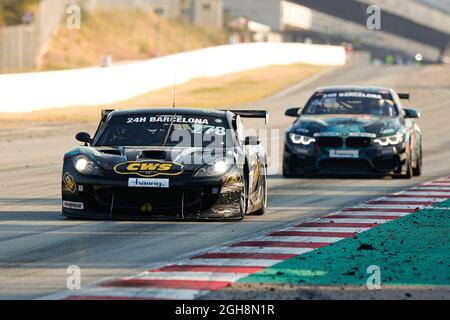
[213, 169]
[86, 166]
[299, 139]
[390, 140]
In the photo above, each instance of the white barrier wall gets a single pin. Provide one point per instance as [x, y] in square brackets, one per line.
[96, 86]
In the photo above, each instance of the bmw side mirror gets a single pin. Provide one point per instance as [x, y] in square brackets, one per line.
[252, 141]
[411, 114]
[83, 137]
[293, 112]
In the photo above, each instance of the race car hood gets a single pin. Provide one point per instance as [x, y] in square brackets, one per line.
[183, 159]
[380, 126]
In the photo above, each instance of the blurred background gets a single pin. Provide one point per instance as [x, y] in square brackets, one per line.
[35, 35]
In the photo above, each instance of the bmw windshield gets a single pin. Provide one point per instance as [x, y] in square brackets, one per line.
[351, 103]
[166, 130]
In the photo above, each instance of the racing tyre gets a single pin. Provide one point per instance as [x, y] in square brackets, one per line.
[243, 201]
[408, 170]
[261, 211]
[417, 171]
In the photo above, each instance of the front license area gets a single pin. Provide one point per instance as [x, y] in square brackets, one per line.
[343, 154]
[148, 183]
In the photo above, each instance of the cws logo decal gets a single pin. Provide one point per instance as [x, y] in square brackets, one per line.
[149, 169]
[69, 183]
[232, 180]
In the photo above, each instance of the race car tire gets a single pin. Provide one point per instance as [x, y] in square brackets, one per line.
[408, 174]
[417, 171]
[243, 202]
[261, 211]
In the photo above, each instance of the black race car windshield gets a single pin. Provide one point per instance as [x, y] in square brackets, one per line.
[166, 130]
[351, 103]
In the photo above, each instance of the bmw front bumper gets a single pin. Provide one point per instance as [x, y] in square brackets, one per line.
[373, 159]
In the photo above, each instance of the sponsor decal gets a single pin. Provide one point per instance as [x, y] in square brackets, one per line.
[149, 169]
[256, 174]
[352, 94]
[232, 180]
[69, 183]
[148, 183]
[168, 119]
[73, 205]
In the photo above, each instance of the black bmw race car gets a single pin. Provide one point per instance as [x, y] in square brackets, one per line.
[166, 164]
[353, 130]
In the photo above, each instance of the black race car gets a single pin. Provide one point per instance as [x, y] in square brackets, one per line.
[166, 164]
[353, 130]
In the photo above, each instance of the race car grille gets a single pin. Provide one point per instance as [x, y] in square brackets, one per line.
[152, 202]
[330, 142]
[358, 142]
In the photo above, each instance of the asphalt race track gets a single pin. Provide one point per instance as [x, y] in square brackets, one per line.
[37, 244]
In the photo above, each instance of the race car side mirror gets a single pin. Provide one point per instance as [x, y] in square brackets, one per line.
[292, 112]
[411, 114]
[83, 137]
[252, 141]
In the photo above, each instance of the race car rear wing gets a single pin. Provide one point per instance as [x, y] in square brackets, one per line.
[252, 114]
[243, 113]
[404, 96]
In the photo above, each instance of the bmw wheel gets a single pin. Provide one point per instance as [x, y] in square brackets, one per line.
[417, 171]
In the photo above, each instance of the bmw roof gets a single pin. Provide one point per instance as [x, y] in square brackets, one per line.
[354, 88]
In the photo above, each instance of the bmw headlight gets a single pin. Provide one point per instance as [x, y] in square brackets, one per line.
[213, 169]
[299, 139]
[390, 140]
[86, 166]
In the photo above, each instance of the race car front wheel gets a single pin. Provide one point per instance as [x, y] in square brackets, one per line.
[261, 211]
[417, 171]
[243, 201]
[407, 170]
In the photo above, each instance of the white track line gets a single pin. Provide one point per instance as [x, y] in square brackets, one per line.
[147, 293]
[389, 206]
[351, 220]
[230, 262]
[373, 213]
[300, 239]
[325, 229]
[424, 193]
[432, 188]
[262, 249]
[195, 276]
[394, 199]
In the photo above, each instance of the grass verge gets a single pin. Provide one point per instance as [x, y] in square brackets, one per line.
[410, 251]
